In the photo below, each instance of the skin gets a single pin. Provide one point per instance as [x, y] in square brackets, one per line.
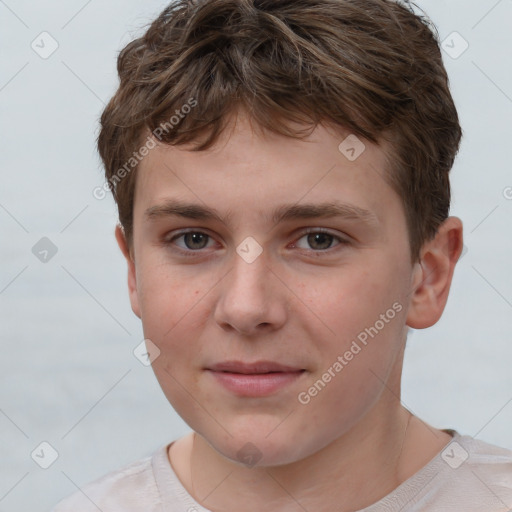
[302, 302]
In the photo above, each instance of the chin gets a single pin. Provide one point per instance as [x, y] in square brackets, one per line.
[263, 447]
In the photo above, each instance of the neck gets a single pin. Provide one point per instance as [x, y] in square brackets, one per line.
[357, 469]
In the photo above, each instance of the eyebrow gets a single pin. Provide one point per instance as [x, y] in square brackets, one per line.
[324, 210]
[175, 208]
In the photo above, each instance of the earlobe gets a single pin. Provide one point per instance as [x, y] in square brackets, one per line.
[132, 276]
[432, 275]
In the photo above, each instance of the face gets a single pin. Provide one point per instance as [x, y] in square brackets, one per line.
[270, 249]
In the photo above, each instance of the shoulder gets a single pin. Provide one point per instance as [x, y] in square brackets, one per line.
[130, 488]
[467, 474]
[479, 470]
[487, 459]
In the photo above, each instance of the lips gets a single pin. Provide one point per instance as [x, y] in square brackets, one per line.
[258, 367]
[258, 379]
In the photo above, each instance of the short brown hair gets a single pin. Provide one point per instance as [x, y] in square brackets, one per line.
[373, 67]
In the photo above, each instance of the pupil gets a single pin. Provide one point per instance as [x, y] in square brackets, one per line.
[320, 240]
[195, 240]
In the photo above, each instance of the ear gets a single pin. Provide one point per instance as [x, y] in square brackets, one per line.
[132, 277]
[432, 275]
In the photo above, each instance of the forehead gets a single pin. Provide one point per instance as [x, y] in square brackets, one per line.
[247, 171]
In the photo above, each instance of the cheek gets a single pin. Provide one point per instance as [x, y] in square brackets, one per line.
[173, 307]
[348, 301]
[363, 315]
[174, 311]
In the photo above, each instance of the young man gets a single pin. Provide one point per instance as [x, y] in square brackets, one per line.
[281, 173]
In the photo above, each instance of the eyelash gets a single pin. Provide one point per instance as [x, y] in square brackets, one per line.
[195, 253]
[188, 253]
[341, 241]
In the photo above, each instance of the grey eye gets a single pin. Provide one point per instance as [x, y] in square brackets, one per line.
[195, 240]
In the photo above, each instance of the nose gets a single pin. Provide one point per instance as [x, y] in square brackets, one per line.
[252, 300]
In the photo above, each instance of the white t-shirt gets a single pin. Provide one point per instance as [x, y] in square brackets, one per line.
[468, 475]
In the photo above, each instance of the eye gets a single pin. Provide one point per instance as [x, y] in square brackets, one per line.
[191, 240]
[318, 240]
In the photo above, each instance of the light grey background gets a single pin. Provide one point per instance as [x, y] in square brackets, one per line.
[67, 372]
